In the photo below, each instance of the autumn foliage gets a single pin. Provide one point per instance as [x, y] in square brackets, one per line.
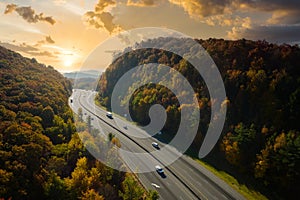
[41, 155]
[261, 133]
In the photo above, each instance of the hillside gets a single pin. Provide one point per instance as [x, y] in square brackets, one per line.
[86, 80]
[41, 154]
[82, 74]
[260, 140]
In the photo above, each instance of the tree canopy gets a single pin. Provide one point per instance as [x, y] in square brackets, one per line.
[41, 154]
[261, 132]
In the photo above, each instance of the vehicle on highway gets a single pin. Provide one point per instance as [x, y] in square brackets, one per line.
[159, 169]
[155, 185]
[109, 115]
[155, 145]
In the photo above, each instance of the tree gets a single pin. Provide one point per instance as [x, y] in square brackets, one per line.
[116, 141]
[241, 146]
[89, 124]
[131, 189]
[278, 163]
[5, 179]
[80, 115]
[79, 183]
[55, 188]
[91, 195]
[47, 116]
[110, 136]
[152, 195]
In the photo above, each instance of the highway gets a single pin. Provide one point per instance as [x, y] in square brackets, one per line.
[185, 178]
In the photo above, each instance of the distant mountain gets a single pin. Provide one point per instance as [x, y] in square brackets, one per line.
[83, 74]
[86, 80]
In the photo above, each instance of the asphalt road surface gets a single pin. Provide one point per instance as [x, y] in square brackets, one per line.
[184, 179]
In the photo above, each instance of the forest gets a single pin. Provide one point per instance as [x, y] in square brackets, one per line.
[41, 154]
[260, 141]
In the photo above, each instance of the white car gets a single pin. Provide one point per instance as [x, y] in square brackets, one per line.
[159, 169]
[109, 115]
[155, 145]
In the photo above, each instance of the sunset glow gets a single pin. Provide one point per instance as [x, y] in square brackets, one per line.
[68, 63]
[46, 29]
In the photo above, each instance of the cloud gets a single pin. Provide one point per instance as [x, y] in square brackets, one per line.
[283, 11]
[228, 20]
[102, 4]
[140, 3]
[59, 2]
[276, 33]
[100, 18]
[272, 5]
[93, 19]
[23, 47]
[42, 53]
[285, 17]
[27, 49]
[28, 14]
[198, 9]
[107, 20]
[10, 8]
[49, 40]
[236, 15]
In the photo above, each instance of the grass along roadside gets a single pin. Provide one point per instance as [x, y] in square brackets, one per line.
[243, 189]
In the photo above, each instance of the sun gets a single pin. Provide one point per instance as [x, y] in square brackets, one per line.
[68, 63]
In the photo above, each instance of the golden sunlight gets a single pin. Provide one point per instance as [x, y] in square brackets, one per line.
[68, 62]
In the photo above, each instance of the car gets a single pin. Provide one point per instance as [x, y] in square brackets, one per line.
[159, 169]
[155, 145]
[109, 115]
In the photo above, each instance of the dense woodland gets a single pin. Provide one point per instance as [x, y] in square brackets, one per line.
[260, 139]
[41, 154]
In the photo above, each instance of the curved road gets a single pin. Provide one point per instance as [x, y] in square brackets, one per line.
[185, 178]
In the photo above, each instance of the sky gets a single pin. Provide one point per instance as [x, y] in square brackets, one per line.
[63, 33]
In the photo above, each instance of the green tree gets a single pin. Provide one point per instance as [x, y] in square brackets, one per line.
[89, 123]
[47, 117]
[55, 188]
[80, 115]
[278, 163]
[131, 189]
[152, 195]
[241, 146]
